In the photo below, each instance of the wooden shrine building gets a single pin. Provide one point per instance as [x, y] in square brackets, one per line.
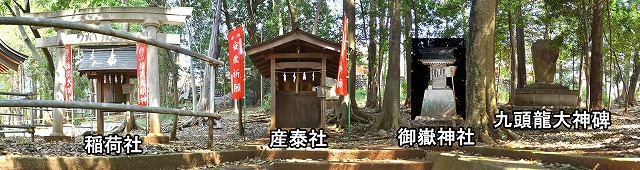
[297, 64]
[112, 66]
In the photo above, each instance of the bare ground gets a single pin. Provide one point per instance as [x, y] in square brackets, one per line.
[620, 140]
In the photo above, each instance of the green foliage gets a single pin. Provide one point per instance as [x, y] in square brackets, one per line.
[403, 89]
[266, 102]
[361, 95]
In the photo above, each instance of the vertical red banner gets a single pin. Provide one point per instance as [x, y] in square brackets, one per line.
[68, 74]
[236, 62]
[141, 58]
[341, 82]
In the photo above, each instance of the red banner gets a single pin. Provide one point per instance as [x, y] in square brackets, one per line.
[68, 74]
[236, 62]
[341, 82]
[141, 58]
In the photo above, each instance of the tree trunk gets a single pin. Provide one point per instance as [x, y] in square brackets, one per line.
[203, 102]
[252, 28]
[383, 40]
[512, 56]
[407, 54]
[227, 18]
[277, 9]
[390, 118]
[585, 51]
[522, 69]
[372, 83]
[585, 43]
[597, 32]
[633, 81]
[480, 54]
[214, 52]
[293, 16]
[611, 53]
[176, 93]
[315, 20]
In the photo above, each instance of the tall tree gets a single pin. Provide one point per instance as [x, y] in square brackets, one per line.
[481, 93]
[384, 40]
[512, 56]
[597, 33]
[315, 20]
[584, 61]
[252, 27]
[390, 118]
[407, 52]
[633, 81]
[372, 83]
[522, 69]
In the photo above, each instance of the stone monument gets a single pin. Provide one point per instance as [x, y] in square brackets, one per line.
[544, 92]
[545, 56]
[439, 100]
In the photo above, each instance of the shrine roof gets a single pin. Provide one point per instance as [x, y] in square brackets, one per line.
[295, 46]
[10, 59]
[107, 59]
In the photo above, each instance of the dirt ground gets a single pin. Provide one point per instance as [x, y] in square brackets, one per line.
[620, 140]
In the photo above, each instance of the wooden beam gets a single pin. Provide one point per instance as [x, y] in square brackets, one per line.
[298, 55]
[176, 16]
[186, 11]
[94, 38]
[107, 31]
[16, 94]
[261, 61]
[104, 106]
[274, 94]
[270, 45]
[263, 67]
[323, 83]
[311, 65]
[291, 37]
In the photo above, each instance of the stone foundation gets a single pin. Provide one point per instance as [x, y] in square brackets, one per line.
[546, 97]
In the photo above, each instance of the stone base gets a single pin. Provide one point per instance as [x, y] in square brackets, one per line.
[57, 138]
[155, 139]
[438, 103]
[546, 97]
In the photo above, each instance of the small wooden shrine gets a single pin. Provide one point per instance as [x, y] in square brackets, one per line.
[298, 64]
[112, 66]
[111, 61]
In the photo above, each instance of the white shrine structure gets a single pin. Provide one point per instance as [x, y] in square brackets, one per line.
[439, 99]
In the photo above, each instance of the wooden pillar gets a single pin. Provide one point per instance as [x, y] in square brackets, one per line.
[127, 99]
[57, 133]
[273, 93]
[100, 99]
[100, 91]
[323, 83]
[155, 134]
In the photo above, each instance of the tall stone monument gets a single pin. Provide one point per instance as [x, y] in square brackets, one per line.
[544, 92]
[545, 56]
